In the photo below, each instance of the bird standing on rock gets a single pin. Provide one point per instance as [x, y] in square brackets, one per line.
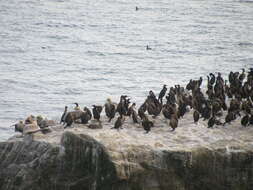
[229, 117]
[211, 122]
[119, 122]
[147, 124]
[245, 120]
[77, 108]
[110, 109]
[174, 121]
[87, 110]
[96, 112]
[162, 94]
[64, 115]
[196, 116]
[251, 120]
[132, 112]
[141, 111]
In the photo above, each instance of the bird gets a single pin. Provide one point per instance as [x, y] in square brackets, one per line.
[174, 121]
[135, 116]
[77, 108]
[251, 120]
[96, 113]
[245, 120]
[148, 48]
[119, 122]
[162, 93]
[196, 116]
[87, 110]
[64, 115]
[242, 75]
[110, 109]
[147, 124]
[211, 122]
[229, 117]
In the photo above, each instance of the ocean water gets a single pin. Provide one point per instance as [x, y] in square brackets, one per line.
[57, 52]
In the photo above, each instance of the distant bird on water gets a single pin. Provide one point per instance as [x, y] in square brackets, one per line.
[136, 8]
[148, 48]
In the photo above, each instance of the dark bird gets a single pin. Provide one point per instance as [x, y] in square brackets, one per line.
[206, 113]
[154, 109]
[166, 112]
[96, 112]
[85, 115]
[132, 112]
[135, 116]
[229, 117]
[122, 106]
[119, 122]
[136, 8]
[245, 120]
[196, 116]
[242, 75]
[174, 122]
[211, 122]
[99, 109]
[147, 124]
[162, 94]
[142, 109]
[64, 115]
[218, 122]
[110, 109]
[251, 120]
[182, 109]
[200, 81]
[212, 79]
[85, 109]
[227, 90]
[130, 109]
[148, 48]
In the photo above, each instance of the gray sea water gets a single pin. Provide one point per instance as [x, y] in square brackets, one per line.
[56, 52]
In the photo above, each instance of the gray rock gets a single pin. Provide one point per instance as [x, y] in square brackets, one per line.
[85, 159]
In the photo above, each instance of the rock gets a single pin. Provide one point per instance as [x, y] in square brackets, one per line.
[105, 159]
[40, 165]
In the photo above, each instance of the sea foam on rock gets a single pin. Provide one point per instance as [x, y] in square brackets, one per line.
[190, 158]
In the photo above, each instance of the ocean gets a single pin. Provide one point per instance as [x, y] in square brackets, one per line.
[57, 52]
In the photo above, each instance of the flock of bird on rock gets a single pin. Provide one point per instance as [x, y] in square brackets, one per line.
[234, 96]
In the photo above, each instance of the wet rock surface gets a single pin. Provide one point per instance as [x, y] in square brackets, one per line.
[82, 158]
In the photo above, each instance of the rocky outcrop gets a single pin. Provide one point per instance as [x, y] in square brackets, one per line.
[104, 159]
[79, 162]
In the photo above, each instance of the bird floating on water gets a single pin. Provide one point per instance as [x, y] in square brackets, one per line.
[148, 48]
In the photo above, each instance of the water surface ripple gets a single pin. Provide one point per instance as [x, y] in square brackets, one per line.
[56, 52]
